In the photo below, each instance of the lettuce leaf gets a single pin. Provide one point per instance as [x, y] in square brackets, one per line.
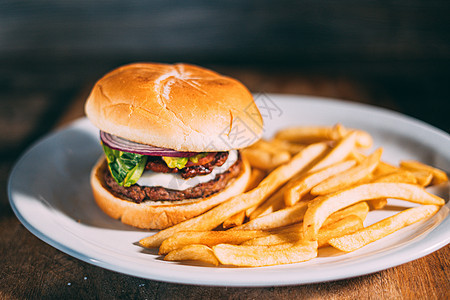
[126, 168]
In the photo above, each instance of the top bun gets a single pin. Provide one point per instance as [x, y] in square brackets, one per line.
[181, 107]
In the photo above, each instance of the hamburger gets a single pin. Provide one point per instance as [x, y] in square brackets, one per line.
[171, 136]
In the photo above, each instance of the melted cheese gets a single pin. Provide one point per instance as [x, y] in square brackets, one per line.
[174, 181]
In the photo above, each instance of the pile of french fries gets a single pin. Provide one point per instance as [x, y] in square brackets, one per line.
[310, 187]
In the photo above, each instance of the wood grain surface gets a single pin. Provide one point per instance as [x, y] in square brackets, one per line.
[31, 269]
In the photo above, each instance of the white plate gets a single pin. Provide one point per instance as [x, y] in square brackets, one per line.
[50, 194]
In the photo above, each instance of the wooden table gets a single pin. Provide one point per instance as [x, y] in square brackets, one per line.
[29, 268]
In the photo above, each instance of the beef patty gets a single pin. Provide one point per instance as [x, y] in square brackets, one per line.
[139, 193]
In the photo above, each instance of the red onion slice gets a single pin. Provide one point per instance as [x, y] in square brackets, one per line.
[120, 144]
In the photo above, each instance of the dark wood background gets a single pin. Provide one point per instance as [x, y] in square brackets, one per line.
[398, 49]
[394, 54]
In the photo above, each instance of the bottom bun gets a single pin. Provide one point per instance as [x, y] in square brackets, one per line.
[155, 214]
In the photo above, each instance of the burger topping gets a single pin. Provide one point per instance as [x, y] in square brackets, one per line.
[201, 164]
[138, 193]
[202, 169]
[181, 162]
[126, 168]
[117, 143]
[174, 179]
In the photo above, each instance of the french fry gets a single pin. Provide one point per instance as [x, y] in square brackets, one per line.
[356, 155]
[341, 227]
[275, 146]
[439, 176]
[310, 134]
[276, 219]
[208, 238]
[251, 209]
[362, 237]
[263, 145]
[214, 217]
[423, 177]
[396, 176]
[307, 134]
[292, 148]
[320, 208]
[360, 210]
[363, 139]
[276, 238]
[349, 176]
[265, 160]
[258, 256]
[294, 214]
[273, 203]
[234, 220]
[256, 176]
[200, 253]
[338, 153]
[382, 167]
[303, 185]
[402, 176]
[377, 203]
